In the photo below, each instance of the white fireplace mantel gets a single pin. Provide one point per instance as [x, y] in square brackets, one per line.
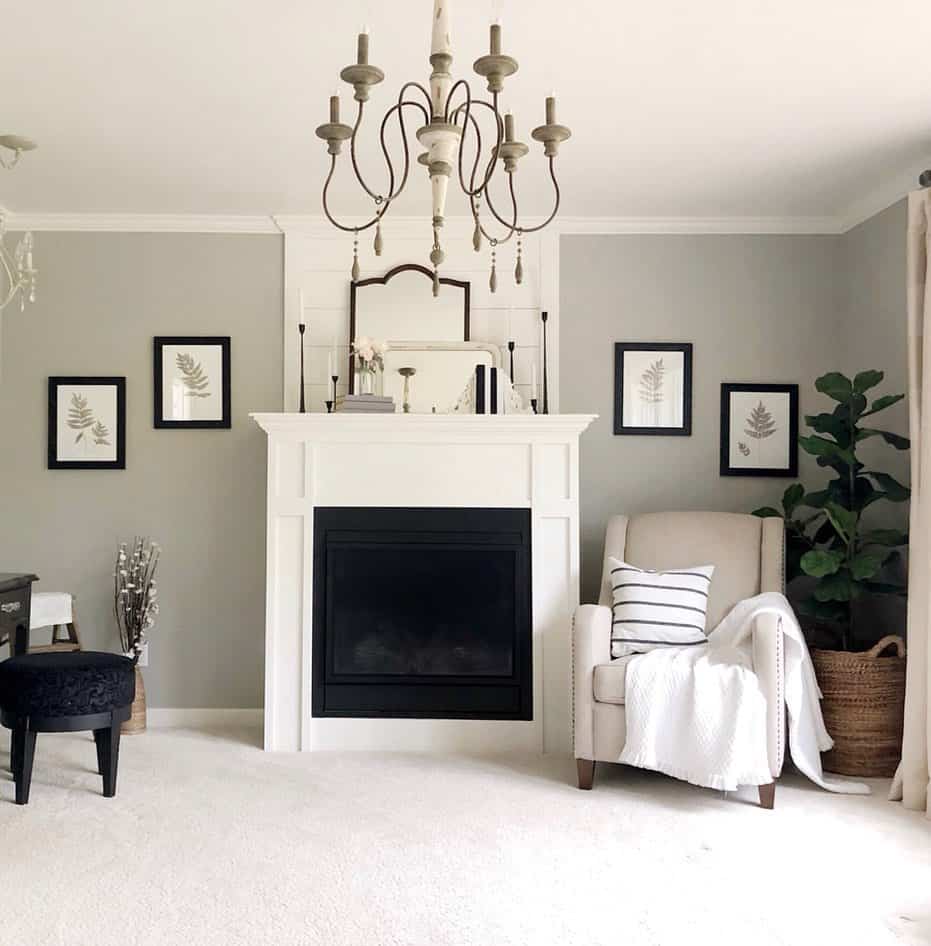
[504, 461]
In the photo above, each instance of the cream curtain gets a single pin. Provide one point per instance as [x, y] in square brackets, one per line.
[911, 780]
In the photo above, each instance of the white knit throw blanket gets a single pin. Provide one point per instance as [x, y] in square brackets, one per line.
[698, 713]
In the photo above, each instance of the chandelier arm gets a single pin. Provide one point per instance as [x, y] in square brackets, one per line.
[416, 85]
[332, 219]
[471, 190]
[549, 219]
[11, 282]
[512, 226]
[407, 154]
[355, 166]
[490, 167]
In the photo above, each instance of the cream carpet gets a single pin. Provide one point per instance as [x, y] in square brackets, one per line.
[211, 841]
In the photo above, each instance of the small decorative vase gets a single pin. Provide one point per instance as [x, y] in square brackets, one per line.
[136, 723]
[371, 378]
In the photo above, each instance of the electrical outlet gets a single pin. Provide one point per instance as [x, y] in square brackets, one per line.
[144, 656]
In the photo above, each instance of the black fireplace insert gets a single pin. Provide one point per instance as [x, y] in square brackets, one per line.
[422, 612]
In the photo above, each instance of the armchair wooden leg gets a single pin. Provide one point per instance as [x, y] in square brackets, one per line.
[108, 754]
[586, 770]
[768, 796]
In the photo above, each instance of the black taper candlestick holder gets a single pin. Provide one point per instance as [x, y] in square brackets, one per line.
[334, 378]
[511, 347]
[301, 327]
[546, 397]
[533, 404]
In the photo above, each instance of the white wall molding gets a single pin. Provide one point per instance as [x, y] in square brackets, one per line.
[173, 718]
[896, 188]
[408, 227]
[141, 223]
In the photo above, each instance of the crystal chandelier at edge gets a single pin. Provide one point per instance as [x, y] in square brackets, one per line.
[18, 271]
[448, 111]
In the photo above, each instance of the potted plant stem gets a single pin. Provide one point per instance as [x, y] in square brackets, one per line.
[847, 563]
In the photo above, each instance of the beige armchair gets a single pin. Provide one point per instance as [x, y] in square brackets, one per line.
[748, 556]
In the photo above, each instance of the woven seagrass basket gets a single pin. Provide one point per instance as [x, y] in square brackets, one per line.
[863, 707]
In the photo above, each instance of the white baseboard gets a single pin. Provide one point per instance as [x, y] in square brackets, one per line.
[172, 718]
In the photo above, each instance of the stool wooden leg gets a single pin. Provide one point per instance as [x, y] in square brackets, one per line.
[25, 753]
[108, 755]
[16, 747]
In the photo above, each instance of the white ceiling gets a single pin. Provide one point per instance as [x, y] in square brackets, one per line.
[683, 108]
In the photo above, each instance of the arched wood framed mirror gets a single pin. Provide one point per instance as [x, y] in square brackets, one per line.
[400, 306]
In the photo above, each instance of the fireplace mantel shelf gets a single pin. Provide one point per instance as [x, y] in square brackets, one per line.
[492, 426]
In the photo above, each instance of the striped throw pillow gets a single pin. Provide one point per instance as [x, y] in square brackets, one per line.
[657, 609]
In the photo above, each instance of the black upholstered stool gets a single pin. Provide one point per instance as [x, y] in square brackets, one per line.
[65, 693]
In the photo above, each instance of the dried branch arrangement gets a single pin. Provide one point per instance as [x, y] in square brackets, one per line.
[135, 595]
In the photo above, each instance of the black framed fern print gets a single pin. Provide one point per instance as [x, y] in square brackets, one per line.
[192, 381]
[759, 429]
[86, 423]
[653, 388]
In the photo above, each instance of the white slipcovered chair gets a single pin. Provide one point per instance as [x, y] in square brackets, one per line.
[748, 557]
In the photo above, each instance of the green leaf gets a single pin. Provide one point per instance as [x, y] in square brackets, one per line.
[765, 512]
[831, 424]
[884, 537]
[881, 403]
[836, 587]
[866, 380]
[819, 562]
[792, 497]
[867, 564]
[835, 385]
[819, 447]
[895, 491]
[894, 440]
[843, 520]
[828, 612]
[818, 498]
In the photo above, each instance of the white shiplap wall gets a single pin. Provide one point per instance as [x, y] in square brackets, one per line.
[318, 260]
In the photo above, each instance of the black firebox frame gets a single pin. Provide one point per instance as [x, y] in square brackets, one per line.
[421, 696]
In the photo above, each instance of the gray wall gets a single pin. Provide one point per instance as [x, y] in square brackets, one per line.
[872, 332]
[756, 308]
[200, 493]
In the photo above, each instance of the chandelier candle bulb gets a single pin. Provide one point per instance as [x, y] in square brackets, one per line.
[551, 109]
[334, 109]
[508, 127]
[362, 49]
[494, 45]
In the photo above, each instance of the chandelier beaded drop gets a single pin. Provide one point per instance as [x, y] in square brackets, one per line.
[449, 112]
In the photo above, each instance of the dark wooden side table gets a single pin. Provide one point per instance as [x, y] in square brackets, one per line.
[15, 599]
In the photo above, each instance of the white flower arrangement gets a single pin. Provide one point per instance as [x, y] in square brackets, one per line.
[370, 352]
[135, 594]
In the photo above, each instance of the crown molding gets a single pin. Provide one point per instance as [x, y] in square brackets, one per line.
[142, 223]
[698, 225]
[317, 226]
[896, 188]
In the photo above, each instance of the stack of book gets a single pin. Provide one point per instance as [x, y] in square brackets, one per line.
[365, 404]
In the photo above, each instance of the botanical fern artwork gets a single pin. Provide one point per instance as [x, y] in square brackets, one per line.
[651, 383]
[101, 434]
[196, 381]
[760, 423]
[87, 423]
[80, 416]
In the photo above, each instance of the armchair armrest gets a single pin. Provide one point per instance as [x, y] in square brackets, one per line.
[591, 645]
[769, 666]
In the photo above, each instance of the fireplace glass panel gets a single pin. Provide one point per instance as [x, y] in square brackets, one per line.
[410, 610]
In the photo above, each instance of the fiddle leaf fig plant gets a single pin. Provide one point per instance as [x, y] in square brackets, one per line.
[825, 535]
